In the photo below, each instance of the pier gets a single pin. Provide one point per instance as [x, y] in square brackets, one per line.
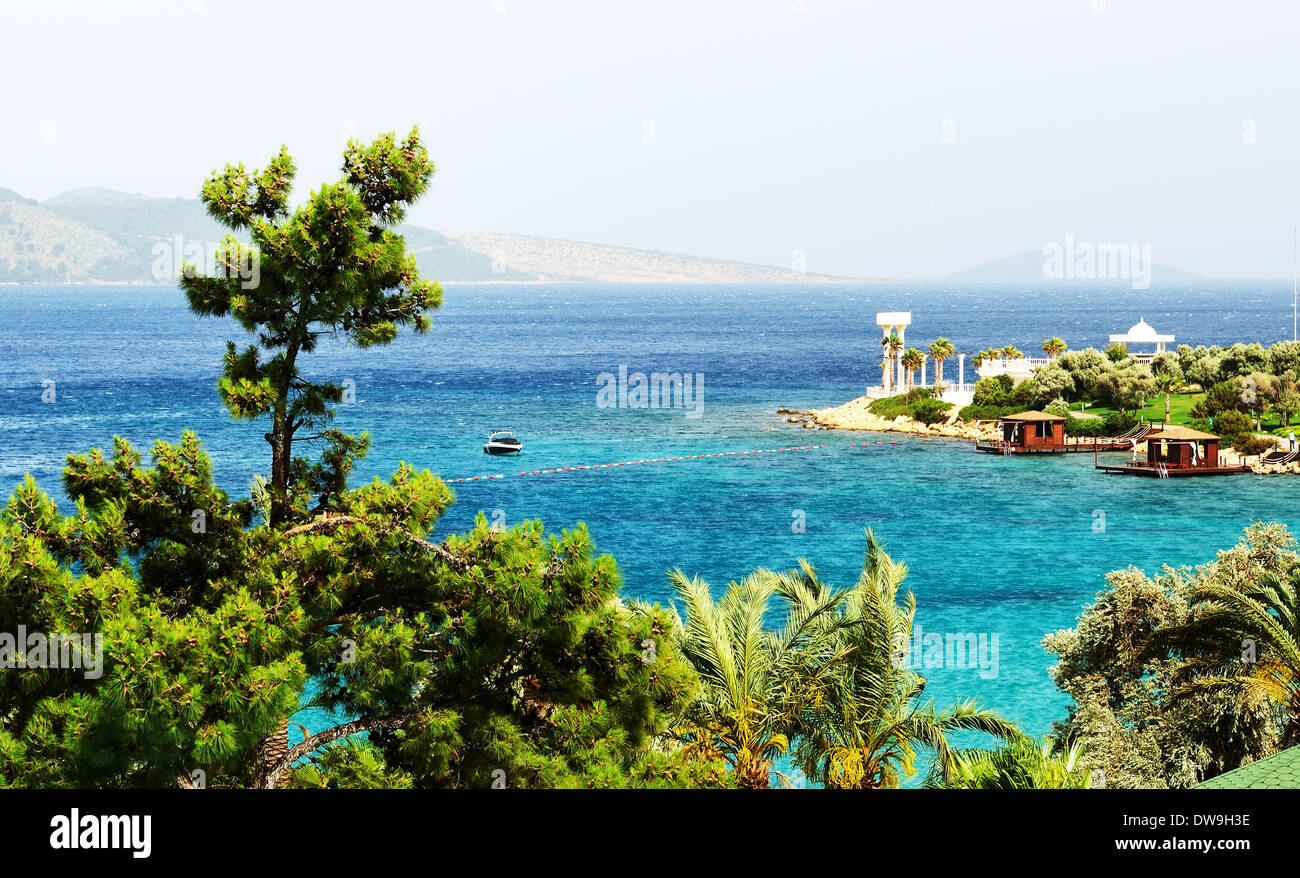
[1175, 452]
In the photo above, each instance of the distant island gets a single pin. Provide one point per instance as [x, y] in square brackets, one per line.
[95, 235]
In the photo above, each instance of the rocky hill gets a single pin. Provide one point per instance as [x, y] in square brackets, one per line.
[38, 245]
[559, 260]
[105, 236]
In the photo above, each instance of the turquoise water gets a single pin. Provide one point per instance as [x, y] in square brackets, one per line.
[995, 545]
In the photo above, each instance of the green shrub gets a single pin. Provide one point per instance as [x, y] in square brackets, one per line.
[1027, 394]
[1058, 406]
[930, 411]
[1085, 427]
[889, 406]
[1229, 423]
[1219, 398]
[994, 391]
[1117, 424]
[974, 412]
[1111, 425]
[1250, 444]
[918, 403]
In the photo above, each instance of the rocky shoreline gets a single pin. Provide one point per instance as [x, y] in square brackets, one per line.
[1262, 469]
[856, 415]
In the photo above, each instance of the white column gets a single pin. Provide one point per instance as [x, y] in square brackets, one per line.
[961, 368]
[923, 361]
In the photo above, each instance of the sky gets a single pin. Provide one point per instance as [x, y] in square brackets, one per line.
[902, 139]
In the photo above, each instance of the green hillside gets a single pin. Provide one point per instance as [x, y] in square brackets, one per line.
[102, 235]
[146, 228]
[40, 246]
[11, 195]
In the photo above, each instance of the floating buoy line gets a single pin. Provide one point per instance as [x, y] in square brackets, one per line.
[645, 460]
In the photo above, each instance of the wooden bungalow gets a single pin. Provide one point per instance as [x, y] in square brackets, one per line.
[1027, 433]
[1178, 451]
[1040, 433]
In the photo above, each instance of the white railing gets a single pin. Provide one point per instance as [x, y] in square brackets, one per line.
[948, 387]
[1015, 364]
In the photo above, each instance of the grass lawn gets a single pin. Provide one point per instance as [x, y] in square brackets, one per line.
[1180, 407]
[1273, 425]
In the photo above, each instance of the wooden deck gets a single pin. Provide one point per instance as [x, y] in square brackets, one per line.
[993, 446]
[1169, 471]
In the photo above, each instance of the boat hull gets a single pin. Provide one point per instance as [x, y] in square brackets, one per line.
[500, 449]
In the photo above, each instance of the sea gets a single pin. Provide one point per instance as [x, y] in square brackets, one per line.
[1012, 548]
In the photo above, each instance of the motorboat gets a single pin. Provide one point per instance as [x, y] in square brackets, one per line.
[502, 442]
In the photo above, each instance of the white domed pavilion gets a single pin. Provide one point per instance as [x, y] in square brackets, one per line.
[1143, 333]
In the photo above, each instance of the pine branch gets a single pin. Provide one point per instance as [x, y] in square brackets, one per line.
[271, 778]
[328, 520]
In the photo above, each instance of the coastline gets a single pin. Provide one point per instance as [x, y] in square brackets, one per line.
[810, 280]
[856, 415]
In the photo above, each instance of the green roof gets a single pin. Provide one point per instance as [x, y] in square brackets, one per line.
[1281, 771]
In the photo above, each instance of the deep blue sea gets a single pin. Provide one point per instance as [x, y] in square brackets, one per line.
[994, 545]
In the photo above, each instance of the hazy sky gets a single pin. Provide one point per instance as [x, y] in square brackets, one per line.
[883, 139]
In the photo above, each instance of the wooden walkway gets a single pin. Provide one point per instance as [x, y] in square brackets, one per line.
[1169, 471]
[1127, 442]
[1280, 456]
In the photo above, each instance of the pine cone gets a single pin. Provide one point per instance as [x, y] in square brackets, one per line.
[276, 747]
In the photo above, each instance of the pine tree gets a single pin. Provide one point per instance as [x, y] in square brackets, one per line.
[497, 657]
[330, 267]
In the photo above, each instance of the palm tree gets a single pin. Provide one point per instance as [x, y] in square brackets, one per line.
[912, 361]
[892, 344]
[748, 675]
[940, 350]
[1022, 764]
[1256, 626]
[1011, 352]
[860, 725]
[1054, 347]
